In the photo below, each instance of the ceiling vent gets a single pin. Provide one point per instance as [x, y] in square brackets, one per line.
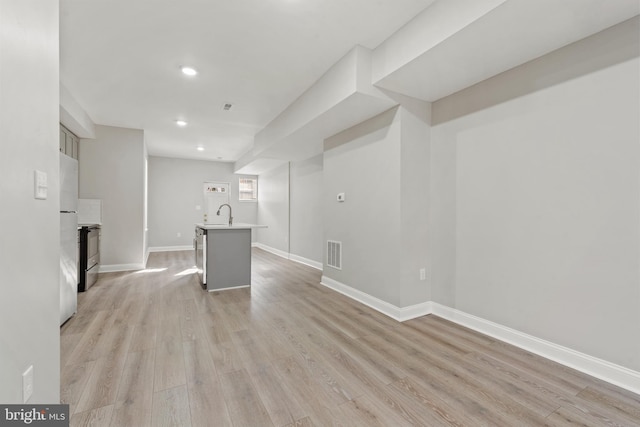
[334, 254]
[227, 107]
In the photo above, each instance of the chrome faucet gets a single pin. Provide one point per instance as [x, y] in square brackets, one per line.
[230, 217]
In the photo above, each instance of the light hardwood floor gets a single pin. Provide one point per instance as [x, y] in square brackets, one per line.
[151, 348]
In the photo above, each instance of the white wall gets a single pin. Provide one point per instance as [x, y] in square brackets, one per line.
[415, 149]
[29, 252]
[176, 188]
[364, 163]
[112, 168]
[382, 167]
[290, 204]
[273, 209]
[307, 221]
[537, 198]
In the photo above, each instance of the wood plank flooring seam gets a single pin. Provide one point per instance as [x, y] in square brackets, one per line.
[289, 351]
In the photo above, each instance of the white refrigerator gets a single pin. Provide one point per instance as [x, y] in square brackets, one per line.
[68, 237]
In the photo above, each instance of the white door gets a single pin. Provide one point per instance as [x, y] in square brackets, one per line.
[215, 195]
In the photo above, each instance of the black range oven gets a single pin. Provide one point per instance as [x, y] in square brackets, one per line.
[89, 256]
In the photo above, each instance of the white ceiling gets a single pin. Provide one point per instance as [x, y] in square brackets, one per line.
[510, 34]
[120, 59]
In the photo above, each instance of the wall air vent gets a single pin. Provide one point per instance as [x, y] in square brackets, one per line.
[227, 107]
[334, 254]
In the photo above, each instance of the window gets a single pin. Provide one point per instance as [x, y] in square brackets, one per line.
[248, 189]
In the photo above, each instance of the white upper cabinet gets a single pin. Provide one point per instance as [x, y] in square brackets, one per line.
[68, 143]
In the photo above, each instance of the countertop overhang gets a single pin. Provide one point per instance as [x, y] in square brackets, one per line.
[235, 226]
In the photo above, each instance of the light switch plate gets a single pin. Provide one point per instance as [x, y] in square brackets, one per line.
[40, 185]
[341, 197]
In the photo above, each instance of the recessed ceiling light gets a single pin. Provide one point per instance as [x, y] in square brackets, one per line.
[189, 71]
[200, 148]
[181, 123]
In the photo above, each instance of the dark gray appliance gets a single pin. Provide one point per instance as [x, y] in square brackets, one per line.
[89, 256]
[200, 246]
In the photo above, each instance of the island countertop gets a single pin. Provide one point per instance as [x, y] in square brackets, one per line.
[235, 226]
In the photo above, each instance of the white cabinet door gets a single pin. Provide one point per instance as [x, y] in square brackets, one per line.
[76, 142]
[68, 143]
[63, 140]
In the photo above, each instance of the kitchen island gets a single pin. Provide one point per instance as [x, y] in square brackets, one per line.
[223, 255]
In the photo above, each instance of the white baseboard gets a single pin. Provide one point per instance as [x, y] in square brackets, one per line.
[120, 267]
[602, 369]
[306, 261]
[400, 314]
[301, 260]
[226, 289]
[274, 251]
[606, 371]
[170, 248]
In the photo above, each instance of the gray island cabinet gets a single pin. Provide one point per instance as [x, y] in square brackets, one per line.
[223, 255]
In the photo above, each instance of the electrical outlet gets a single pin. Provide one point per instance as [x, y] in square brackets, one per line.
[423, 274]
[27, 384]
